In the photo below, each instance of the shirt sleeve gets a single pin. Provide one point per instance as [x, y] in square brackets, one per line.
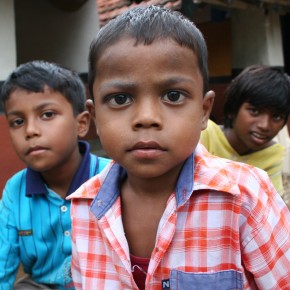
[9, 245]
[266, 250]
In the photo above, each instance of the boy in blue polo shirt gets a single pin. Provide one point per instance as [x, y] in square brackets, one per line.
[44, 104]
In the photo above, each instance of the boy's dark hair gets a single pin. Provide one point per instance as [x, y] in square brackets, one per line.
[262, 87]
[147, 24]
[34, 76]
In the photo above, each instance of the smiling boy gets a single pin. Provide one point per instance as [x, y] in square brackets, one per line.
[257, 106]
[167, 214]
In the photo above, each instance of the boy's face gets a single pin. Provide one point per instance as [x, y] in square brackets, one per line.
[43, 129]
[254, 128]
[149, 106]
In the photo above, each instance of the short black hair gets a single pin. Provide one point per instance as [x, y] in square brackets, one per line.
[34, 76]
[260, 85]
[147, 24]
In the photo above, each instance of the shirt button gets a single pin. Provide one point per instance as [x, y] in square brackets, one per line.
[67, 233]
[63, 208]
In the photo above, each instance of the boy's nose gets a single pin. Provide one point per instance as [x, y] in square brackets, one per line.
[264, 121]
[31, 129]
[147, 115]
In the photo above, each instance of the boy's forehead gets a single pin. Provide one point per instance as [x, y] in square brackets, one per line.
[42, 95]
[126, 49]
[23, 90]
[119, 47]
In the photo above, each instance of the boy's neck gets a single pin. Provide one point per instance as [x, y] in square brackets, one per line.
[141, 225]
[151, 188]
[60, 180]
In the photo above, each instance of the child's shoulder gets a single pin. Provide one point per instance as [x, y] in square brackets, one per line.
[228, 174]
[18, 179]
[212, 132]
[90, 188]
[15, 187]
[103, 162]
[212, 126]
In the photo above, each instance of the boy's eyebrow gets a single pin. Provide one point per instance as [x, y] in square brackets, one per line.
[117, 84]
[129, 84]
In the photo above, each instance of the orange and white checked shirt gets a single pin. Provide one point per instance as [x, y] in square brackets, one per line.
[225, 227]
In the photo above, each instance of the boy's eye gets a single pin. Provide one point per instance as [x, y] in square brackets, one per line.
[16, 122]
[48, 115]
[119, 100]
[254, 111]
[173, 97]
[278, 117]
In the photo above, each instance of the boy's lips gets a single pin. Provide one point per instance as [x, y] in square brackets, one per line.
[260, 136]
[147, 150]
[259, 139]
[147, 145]
[35, 149]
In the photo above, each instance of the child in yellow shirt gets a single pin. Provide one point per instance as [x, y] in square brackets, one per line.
[257, 105]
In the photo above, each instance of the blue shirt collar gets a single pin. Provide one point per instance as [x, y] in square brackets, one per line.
[35, 184]
[110, 189]
[184, 187]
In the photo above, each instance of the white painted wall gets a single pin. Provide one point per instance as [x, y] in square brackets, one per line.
[45, 32]
[7, 38]
[274, 40]
[256, 38]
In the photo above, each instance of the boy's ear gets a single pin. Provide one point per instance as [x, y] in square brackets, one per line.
[91, 108]
[208, 101]
[83, 120]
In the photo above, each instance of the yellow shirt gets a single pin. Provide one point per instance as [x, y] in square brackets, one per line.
[269, 159]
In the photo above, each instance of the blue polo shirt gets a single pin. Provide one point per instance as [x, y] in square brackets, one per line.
[35, 225]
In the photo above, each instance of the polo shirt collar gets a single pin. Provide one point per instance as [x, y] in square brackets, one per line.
[35, 184]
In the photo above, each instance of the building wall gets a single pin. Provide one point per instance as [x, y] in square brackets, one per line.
[256, 38]
[7, 38]
[46, 32]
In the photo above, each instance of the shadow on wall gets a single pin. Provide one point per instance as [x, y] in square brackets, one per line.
[9, 161]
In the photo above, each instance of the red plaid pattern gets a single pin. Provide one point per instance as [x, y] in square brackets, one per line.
[233, 222]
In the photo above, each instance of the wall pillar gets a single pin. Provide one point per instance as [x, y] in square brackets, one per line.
[7, 38]
[49, 33]
[256, 38]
